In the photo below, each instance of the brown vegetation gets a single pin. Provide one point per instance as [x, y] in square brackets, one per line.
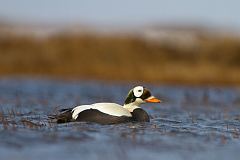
[211, 60]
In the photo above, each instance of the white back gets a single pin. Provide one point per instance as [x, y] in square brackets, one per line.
[108, 108]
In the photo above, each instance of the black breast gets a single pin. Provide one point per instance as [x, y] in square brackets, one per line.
[140, 115]
[94, 115]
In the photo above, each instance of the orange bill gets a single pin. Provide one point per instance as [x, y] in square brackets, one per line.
[152, 100]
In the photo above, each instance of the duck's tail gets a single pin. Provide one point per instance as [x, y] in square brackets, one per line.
[63, 116]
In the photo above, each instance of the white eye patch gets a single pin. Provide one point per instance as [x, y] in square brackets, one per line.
[138, 91]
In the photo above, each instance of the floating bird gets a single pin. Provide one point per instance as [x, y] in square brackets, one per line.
[111, 113]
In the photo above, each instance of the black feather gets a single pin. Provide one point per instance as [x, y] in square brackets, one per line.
[63, 116]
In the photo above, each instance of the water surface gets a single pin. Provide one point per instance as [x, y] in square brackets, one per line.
[191, 123]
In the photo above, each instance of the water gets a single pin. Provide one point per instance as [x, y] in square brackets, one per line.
[191, 123]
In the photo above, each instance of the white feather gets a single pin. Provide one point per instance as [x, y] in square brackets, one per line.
[108, 108]
[138, 91]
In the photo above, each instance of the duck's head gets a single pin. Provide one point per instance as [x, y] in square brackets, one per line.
[139, 95]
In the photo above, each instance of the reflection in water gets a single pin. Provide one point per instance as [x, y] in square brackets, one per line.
[192, 123]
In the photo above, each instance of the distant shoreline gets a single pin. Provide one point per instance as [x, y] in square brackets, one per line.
[193, 58]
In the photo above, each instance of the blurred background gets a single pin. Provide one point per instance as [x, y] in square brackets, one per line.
[58, 54]
[165, 42]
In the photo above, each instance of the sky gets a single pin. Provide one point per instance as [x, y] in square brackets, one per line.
[222, 13]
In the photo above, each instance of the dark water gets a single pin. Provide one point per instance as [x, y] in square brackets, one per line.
[191, 123]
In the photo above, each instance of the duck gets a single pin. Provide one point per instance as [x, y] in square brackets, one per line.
[111, 113]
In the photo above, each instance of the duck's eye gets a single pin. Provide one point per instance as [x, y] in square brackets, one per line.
[138, 91]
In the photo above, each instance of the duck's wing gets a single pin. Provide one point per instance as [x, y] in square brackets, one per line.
[112, 109]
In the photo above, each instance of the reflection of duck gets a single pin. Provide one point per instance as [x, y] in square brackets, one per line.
[111, 113]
